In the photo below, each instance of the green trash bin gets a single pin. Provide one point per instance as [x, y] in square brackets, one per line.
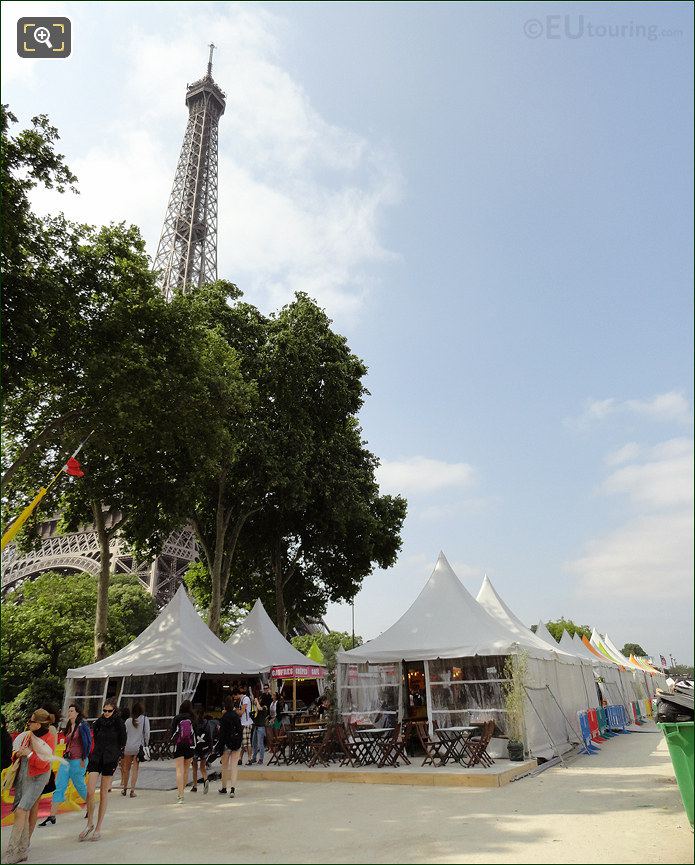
[680, 740]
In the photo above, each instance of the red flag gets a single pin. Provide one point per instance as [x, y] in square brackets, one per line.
[72, 467]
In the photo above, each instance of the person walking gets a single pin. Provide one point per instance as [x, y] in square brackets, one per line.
[205, 728]
[78, 743]
[260, 719]
[247, 726]
[183, 734]
[231, 738]
[33, 752]
[137, 729]
[109, 741]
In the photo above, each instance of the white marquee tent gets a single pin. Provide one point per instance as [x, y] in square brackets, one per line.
[160, 668]
[463, 650]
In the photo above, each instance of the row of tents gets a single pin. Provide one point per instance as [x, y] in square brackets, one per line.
[167, 662]
[461, 645]
[453, 643]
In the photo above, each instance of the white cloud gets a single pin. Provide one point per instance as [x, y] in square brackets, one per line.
[301, 198]
[648, 556]
[652, 552]
[663, 481]
[421, 475]
[670, 407]
[627, 452]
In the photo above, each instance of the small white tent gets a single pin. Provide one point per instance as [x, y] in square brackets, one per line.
[258, 638]
[160, 668]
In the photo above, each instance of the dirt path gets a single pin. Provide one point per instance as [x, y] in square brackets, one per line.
[619, 806]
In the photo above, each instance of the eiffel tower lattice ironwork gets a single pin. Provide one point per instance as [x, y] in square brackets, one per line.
[187, 251]
[186, 256]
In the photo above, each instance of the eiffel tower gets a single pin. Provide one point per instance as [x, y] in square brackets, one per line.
[186, 257]
[187, 252]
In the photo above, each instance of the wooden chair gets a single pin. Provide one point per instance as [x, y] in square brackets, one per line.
[320, 749]
[278, 748]
[434, 750]
[393, 749]
[476, 747]
[345, 746]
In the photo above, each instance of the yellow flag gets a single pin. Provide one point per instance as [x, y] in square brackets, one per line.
[22, 518]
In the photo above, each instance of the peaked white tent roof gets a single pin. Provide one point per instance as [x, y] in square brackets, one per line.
[581, 649]
[568, 645]
[626, 662]
[258, 638]
[495, 606]
[545, 634]
[444, 621]
[177, 641]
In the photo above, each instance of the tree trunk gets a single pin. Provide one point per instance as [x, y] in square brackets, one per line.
[215, 610]
[280, 613]
[101, 622]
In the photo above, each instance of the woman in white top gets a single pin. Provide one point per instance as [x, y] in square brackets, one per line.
[138, 730]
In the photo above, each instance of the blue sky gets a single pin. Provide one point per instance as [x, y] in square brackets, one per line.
[501, 223]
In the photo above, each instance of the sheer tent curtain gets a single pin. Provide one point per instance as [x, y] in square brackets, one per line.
[463, 690]
[369, 693]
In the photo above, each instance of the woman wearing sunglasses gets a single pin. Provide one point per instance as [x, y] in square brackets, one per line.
[109, 741]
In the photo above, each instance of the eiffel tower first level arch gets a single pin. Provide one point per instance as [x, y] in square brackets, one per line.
[79, 552]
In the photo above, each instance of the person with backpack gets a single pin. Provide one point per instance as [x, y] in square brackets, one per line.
[183, 734]
[205, 728]
[109, 741]
[137, 728]
[231, 736]
[78, 744]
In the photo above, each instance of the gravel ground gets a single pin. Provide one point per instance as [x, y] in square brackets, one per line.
[619, 806]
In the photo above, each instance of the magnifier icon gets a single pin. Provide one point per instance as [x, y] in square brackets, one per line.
[43, 37]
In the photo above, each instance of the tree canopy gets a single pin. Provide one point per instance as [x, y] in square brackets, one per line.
[633, 649]
[332, 641]
[562, 624]
[291, 514]
[48, 626]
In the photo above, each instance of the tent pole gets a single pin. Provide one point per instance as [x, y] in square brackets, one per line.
[294, 695]
[179, 690]
[428, 698]
[547, 731]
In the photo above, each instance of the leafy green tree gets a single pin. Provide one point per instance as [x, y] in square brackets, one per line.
[291, 513]
[633, 649]
[332, 641]
[681, 671]
[48, 625]
[33, 270]
[322, 526]
[562, 624]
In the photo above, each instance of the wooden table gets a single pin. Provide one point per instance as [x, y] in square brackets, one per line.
[454, 739]
[367, 744]
[300, 742]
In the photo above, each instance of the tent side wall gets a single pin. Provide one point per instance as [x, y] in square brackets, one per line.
[161, 695]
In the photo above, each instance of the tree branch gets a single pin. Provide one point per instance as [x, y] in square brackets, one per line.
[42, 437]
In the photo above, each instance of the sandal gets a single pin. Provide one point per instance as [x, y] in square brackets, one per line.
[96, 836]
[85, 833]
[133, 794]
[124, 791]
